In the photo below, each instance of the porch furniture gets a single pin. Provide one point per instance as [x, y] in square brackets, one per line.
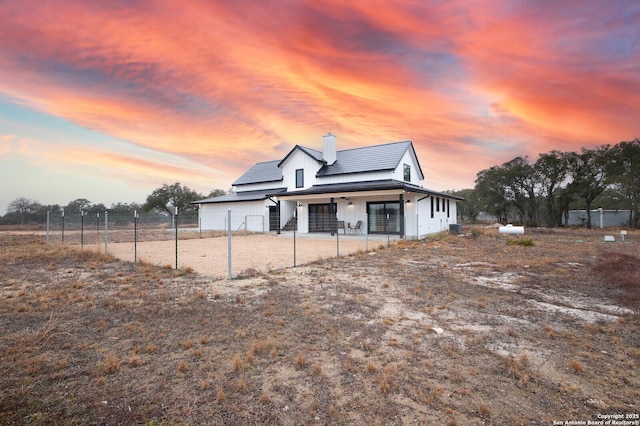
[358, 228]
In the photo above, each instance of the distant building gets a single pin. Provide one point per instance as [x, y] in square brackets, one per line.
[374, 189]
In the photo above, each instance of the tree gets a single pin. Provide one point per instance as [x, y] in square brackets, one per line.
[590, 171]
[216, 193]
[552, 170]
[625, 177]
[521, 186]
[166, 197]
[23, 206]
[491, 192]
[470, 208]
[78, 205]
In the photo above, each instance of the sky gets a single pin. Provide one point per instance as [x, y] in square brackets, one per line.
[110, 100]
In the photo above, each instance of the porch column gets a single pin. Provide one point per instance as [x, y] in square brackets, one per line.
[332, 217]
[278, 217]
[401, 215]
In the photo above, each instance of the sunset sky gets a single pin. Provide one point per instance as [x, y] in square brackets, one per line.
[110, 100]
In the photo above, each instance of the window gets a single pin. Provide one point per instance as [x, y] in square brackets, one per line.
[447, 207]
[299, 178]
[431, 207]
[407, 173]
[437, 204]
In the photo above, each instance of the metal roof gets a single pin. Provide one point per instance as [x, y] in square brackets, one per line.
[368, 159]
[267, 171]
[349, 161]
[363, 186]
[242, 196]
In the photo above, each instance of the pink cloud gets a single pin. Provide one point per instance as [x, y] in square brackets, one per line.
[225, 84]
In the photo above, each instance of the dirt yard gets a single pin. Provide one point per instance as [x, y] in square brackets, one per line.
[473, 329]
[250, 253]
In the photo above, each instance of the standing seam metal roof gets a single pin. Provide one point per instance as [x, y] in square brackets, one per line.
[356, 160]
[267, 171]
[367, 159]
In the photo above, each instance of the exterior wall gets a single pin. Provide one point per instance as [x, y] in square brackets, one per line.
[258, 186]
[359, 177]
[398, 173]
[299, 160]
[417, 214]
[252, 216]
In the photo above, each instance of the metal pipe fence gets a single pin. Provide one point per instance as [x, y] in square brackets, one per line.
[154, 238]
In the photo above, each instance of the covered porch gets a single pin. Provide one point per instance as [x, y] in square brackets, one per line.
[371, 208]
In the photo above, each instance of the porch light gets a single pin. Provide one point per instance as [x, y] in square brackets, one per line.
[350, 203]
[299, 204]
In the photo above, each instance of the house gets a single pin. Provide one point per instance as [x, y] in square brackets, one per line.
[373, 189]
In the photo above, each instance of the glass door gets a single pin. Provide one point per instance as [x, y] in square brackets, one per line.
[384, 217]
[320, 218]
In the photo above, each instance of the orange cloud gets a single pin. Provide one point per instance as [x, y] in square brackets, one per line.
[222, 84]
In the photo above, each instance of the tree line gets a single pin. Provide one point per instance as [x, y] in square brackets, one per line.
[542, 192]
[162, 201]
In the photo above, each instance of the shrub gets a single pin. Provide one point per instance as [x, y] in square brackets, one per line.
[525, 242]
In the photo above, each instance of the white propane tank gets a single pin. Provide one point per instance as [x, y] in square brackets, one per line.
[510, 229]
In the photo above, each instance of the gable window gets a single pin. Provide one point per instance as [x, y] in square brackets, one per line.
[407, 172]
[299, 178]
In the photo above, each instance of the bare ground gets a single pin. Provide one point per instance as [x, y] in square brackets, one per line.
[477, 329]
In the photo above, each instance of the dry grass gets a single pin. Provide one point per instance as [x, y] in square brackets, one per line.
[453, 330]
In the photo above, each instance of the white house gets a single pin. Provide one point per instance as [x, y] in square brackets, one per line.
[374, 189]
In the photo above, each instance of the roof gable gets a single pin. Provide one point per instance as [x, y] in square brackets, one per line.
[316, 155]
[267, 171]
[369, 159]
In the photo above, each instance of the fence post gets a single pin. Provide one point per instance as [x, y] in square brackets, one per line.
[82, 229]
[106, 232]
[48, 213]
[135, 236]
[295, 227]
[229, 242]
[337, 238]
[175, 221]
[386, 225]
[98, 231]
[62, 226]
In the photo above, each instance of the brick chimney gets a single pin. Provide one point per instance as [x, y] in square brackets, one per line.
[329, 148]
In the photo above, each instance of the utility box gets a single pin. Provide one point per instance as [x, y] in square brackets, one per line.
[455, 228]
